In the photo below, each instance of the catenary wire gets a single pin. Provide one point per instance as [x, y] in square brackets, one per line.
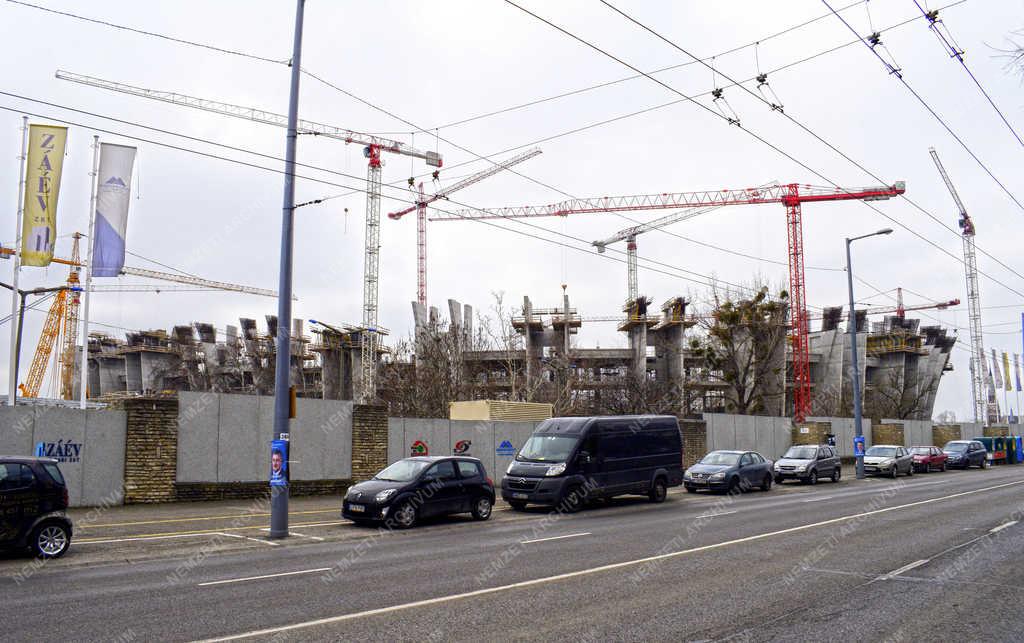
[796, 122]
[750, 133]
[899, 76]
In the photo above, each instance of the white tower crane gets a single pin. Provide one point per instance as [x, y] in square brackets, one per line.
[629, 235]
[421, 213]
[978, 368]
[374, 145]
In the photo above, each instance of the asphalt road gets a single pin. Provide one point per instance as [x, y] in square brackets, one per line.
[934, 556]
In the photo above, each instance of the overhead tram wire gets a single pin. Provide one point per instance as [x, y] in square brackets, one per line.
[321, 80]
[899, 76]
[754, 135]
[710, 280]
[958, 54]
[801, 125]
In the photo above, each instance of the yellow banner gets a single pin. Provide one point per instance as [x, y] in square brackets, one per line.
[42, 187]
[1006, 369]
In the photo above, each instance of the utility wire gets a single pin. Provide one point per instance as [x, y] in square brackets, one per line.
[956, 52]
[899, 76]
[799, 124]
[709, 280]
[752, 134]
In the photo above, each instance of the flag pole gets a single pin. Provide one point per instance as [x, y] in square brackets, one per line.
[87, 267]
[12, 373]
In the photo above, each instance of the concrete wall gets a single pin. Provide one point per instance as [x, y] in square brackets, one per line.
[226, 438]
[441, 436]
[95, 475]
[767, 435]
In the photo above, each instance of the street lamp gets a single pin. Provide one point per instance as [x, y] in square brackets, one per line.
[858, 440]
[21, 320]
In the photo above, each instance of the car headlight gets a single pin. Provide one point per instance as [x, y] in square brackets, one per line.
[508, 471]
[718, 476]
[687, 475]
[802, 467]
[384, 495]
[776, 466]
[887, 462]
[556, 469]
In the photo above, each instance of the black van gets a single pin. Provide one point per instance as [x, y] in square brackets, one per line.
[570, 460]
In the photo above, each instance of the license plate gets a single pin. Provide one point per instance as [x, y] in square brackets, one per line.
[522, 496]
[357, 508]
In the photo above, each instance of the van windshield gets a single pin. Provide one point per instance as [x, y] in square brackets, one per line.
[547, 448]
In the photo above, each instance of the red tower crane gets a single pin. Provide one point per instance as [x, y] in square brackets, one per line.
[790, 195]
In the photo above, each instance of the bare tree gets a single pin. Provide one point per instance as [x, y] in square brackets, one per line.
[744, 349]
[890, 396]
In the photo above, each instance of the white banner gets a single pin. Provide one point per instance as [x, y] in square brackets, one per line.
[113, 194]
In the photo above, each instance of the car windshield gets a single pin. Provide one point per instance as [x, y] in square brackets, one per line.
[957, 447]
[886, 452]
[547, 448]
[402, 471]
[720, 457]
[801, 453]
[921, 451]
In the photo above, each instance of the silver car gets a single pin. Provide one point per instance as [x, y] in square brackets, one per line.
[889, 460]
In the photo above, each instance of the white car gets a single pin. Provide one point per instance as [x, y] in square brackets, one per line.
[889, 460]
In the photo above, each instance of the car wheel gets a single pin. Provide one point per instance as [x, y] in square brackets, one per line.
[691, 490]
[942, 467]
[405, 516]
[837, 474]
[766, 484]
[658, 491]
[50, 540]
[984, 463]
[893, 472]
[517, 506]
[812, 479]
[481, 508]
[910, 471]
[572, 500]
[778, 479]
[734, 487]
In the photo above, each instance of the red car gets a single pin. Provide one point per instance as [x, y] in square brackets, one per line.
[928, 458]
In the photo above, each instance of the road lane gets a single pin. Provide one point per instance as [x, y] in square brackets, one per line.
[451, 557]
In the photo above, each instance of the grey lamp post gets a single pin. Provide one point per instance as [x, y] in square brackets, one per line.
[855, 374]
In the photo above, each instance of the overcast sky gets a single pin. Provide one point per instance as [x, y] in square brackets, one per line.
[433, 64]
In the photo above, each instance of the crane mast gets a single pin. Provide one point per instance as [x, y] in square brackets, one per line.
[421, 213]
[983, 409]
[373, 146]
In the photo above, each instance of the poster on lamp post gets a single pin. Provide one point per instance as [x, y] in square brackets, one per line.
[279, 463]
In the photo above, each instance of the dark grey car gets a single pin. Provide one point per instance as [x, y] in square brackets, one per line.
[731, 471]
[966, 453]
[808, 463]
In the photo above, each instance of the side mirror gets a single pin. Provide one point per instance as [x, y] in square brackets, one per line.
[584, 457]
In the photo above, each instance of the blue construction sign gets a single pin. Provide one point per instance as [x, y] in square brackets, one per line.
[505, 448]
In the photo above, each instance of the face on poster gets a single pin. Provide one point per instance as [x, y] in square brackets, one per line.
[279, 463]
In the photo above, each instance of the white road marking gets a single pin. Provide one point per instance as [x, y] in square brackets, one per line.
[819, 499]
[586, 572]
[295, 533]
[1002, 527]
[249, 578]
[905, 568]
[541, 540]
[133, 538]
[255, 540]
[721, 513]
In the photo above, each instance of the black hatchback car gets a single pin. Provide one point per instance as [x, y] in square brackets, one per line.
[33, 498]
[420, 487]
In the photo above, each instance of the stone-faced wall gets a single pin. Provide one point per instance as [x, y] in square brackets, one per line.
[995, 431]
[887, 433]
[369, 440]
[695, 440]
[815, 433]
[151, 449]
[943, 433]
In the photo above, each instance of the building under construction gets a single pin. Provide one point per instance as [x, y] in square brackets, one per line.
[900, 362]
